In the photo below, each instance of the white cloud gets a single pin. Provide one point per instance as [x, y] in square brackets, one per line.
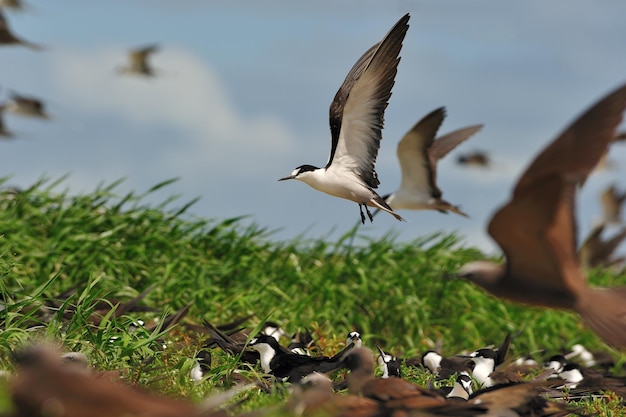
[187, 98]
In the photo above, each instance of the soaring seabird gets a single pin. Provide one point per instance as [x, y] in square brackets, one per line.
[356, 121]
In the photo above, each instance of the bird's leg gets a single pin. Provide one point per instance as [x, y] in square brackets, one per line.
[369, 214]
[362, 215]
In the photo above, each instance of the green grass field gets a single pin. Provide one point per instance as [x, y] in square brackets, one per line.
[109, 246]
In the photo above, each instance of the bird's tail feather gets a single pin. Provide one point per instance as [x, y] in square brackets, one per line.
[381, 204]
[444, 206]
[604, 311]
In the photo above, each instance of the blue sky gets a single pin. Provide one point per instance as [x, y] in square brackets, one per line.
[245, 87]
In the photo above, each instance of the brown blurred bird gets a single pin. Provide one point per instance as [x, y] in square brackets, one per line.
[8, 38]
[26, 106]
[620, 137]
[418, 153]
[12, 4]
[479, 159]
[3, 130]
[596, 252]
[45, 386]
[138, 61]
[612, 201]
[537, 232]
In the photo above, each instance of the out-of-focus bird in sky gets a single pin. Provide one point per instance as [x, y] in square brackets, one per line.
[8, 38]
[418, 153]
[536, 229]
[138, 61]
[4, 132]
[476, 158]
[26, 106]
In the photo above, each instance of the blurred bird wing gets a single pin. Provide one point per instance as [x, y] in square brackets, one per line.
[536, 229]
[413, 154]
[446, 143]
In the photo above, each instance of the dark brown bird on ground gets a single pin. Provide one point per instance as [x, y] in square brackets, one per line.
[8, 38]
[45, 386]
[596, 252]
[138, 61]
[393, 393]
[612, 202]
[537, 232]
[479, 159]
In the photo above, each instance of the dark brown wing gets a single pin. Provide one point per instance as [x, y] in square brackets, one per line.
[357, 112]
[584, 142]
[525, 229]
[536, 229]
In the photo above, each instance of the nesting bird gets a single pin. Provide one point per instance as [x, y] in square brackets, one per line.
[356, 122]
[418, 153]
[138, 61]
[291, 366]
[536, 229]
[8, 38]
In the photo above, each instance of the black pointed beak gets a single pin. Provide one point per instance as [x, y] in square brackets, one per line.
[288, 177]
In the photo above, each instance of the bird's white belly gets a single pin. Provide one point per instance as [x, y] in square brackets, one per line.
[348, 187]
[410, 201]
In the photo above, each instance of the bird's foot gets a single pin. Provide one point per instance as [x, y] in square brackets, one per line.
[362, 215]
[369, 214]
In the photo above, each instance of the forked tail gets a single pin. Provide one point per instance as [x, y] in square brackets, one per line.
[444, 206]
[379, 203]
[604, 312]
